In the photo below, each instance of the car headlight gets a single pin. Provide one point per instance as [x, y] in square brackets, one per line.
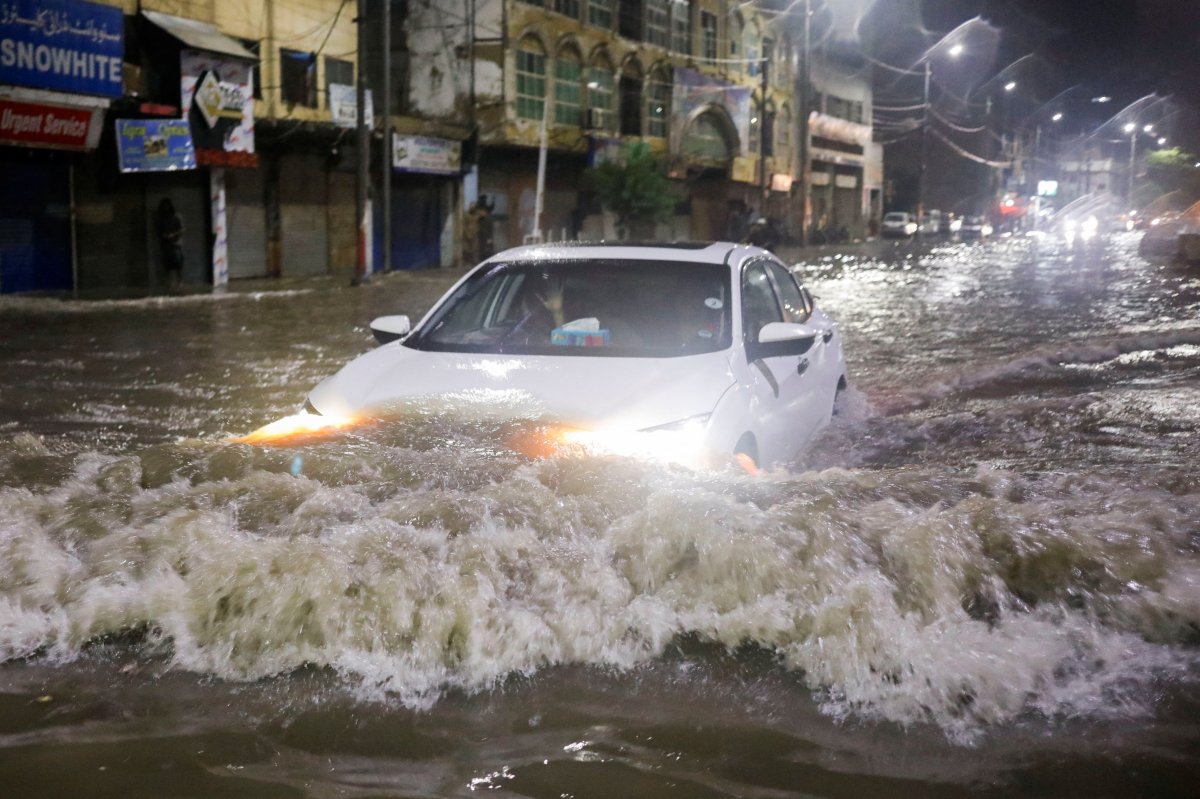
[682, 442]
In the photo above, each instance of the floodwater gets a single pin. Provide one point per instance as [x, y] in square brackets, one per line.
[983, 579]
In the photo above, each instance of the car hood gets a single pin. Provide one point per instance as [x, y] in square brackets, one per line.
[632, 393]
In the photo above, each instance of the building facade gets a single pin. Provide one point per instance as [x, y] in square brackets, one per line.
[243, 116]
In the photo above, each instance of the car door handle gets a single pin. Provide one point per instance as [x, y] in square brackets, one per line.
[828, 335]
[802, 367]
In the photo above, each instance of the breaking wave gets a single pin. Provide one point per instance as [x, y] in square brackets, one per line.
[427, 557]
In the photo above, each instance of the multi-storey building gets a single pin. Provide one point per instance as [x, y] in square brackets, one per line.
[710, 85]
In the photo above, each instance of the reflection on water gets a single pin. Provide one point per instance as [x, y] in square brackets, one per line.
[995, 545]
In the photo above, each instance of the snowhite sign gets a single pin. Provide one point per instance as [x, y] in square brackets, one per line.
[63, 45]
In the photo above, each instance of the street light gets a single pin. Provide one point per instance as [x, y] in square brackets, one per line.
[1057, 117]
[1008, 87]
[954, 51]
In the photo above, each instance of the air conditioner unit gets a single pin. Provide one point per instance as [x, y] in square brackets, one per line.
[595, 119]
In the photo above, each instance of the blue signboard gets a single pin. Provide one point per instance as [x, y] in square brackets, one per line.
[155, 145]
[64, 45]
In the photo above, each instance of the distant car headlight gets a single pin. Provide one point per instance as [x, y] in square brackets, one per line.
[955, 225]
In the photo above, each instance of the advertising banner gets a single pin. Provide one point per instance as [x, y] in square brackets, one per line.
[62, 45]
[343, 106]
[154, 145]
[218, 103]
[426, 154]
[692, 90]
[45, 125]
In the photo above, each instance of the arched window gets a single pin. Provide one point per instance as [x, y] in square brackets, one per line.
[531, 79]
[707, 141]
[631, 98]
[568, 75]
[658, 102]
[600, 94]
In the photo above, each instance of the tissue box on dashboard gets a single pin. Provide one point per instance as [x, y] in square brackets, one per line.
[567, 337]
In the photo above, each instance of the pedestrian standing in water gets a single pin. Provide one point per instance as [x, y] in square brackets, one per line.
[170, 237]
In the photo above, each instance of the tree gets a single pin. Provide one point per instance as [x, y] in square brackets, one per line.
[635, 189]
[1168, 170]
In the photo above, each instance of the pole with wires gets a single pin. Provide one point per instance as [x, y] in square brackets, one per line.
[924, 150]
[361, 175]
[385, 160]
[805, 111]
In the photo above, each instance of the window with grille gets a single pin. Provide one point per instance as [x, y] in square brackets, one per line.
[681, 26]
[658, 23]
[531, 81]
[568, 73]
[568, 7]
[768, 52]
[337, 71]
[631, 105]
[600, 13]
[735, 43]
[629, 19]
[658, 104]
[600, 96]
[298, 77]
[708, 25]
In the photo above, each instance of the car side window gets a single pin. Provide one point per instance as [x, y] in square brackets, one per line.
[795, 309]
[759, 304]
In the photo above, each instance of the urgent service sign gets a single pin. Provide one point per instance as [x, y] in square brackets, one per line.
[46, 125]
[63, 45]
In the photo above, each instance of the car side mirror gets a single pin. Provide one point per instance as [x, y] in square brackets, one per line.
[777, 339]
[390, 328]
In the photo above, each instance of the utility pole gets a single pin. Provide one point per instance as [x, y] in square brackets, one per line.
[805, 101]
[1132, 165]
[924, 150]
[762, 134]
[385, 161]
[361, 177]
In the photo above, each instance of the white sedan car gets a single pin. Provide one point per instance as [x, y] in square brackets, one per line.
[674, 350]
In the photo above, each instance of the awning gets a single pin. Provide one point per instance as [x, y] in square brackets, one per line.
[199, 35]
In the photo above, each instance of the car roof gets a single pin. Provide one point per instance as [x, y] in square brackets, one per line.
[709, 252]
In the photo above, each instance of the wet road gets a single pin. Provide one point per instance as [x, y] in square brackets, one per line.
[984, 579]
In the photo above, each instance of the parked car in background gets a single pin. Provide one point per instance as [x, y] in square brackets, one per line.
[898, 225]
[975, 227]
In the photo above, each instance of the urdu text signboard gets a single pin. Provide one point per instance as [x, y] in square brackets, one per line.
[155, 145]
[62, 45]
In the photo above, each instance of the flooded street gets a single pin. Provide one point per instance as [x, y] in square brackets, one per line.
[982, 580]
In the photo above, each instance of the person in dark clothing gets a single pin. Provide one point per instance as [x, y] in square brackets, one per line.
[170, 237]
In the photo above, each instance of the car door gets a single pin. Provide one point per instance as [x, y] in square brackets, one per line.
[782, 390]
[824, 361]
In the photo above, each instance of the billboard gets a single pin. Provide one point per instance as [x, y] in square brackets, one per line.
[62, 45]
[154, 145]
[217, 100]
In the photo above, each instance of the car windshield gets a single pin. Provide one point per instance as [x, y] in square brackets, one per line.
[646, 309]
[896, 217]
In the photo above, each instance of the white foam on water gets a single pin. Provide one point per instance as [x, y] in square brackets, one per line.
[909, 595]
